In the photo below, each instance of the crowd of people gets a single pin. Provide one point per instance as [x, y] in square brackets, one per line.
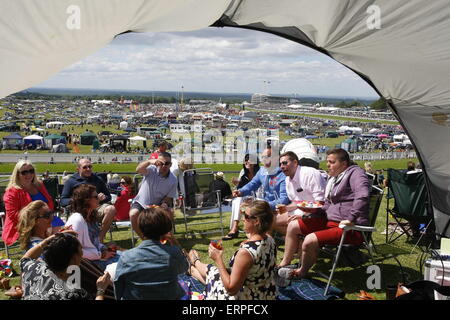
[267, 195]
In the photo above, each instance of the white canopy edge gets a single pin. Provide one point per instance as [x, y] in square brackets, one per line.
[406, 59]
[41, 37]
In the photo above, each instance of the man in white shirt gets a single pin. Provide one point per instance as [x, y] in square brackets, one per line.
[302, 183]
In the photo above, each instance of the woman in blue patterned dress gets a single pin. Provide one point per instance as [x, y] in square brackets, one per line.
[252, 266]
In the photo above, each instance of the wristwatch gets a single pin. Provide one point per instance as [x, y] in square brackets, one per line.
[100, 292]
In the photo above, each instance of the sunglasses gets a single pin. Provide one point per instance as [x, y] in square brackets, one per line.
[123, 182]
[87, 167]
[25, 172]
[46, 215]
[168, 163]
[283, 163]
[248, 217]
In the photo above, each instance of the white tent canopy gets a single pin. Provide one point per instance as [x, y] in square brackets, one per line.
[404, 55]
[137, 138]
[302, 148]
[52, 124]
[33, 137]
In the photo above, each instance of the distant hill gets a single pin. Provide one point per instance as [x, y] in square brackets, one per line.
[235, 97]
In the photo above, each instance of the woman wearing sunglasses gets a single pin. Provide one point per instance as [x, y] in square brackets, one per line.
[23, 188]
[34, 221]
[252, 265]
[83, 220]
[122, 203]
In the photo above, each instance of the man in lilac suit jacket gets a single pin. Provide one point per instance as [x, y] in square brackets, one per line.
[346, 202]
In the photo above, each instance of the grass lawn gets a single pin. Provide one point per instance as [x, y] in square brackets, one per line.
[6, 168]
[348, 279]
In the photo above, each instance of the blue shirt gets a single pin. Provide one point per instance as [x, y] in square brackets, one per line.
[150, 272]
[274, 187]
[56, 222]
[75, 180]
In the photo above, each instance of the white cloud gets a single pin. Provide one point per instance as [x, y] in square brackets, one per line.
[215, 60]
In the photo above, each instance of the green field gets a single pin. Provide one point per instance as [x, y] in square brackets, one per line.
[6, 168]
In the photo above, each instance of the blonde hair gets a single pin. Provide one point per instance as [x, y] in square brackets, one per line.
[27, 220]
[14, 180]
[262, 211]
[368, 167]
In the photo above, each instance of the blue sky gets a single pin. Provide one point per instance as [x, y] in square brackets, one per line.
[211, 60]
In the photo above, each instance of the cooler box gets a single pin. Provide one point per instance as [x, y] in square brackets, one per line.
[438, 271]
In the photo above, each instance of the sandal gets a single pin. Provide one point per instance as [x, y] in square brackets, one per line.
[193, 257]
[363, 295]
[231, 236]
[15, 292]
[189, 260]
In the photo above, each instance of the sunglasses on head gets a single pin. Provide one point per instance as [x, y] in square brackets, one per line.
[25, 172]
[46, 215]
[248, 217]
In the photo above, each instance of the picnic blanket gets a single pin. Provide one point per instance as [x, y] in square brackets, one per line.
[304, 289]
[308, 289]
[193, 288]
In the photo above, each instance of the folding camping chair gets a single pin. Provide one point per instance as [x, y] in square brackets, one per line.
[410, 202]
[122, 224]
[52, 186]
[2, 220]
[197, 183]
[376, 196]
[137, 180]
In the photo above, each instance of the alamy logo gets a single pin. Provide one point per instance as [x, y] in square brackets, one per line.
[374, 280]
[374, 20]
[74, 280]
[73, 22]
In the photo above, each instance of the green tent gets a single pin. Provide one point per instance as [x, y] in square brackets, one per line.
[87, 138]
[54, 136]
[53, 139]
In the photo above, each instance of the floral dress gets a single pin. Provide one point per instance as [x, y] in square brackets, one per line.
[259, 284]
[40, 283]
